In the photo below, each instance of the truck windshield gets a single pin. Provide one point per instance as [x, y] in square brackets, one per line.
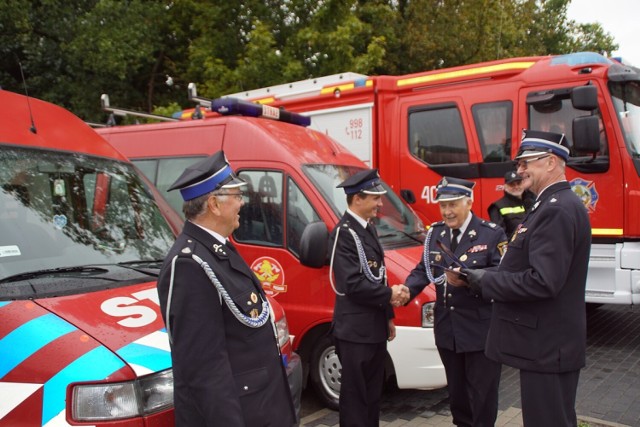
[63, 211]
[626, 101]
[396, 223]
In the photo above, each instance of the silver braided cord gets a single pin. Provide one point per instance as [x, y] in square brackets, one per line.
[364, 265]
[242, 318]
[427, 262]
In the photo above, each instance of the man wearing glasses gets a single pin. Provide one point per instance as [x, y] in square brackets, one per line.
[538, 323]
[510, 209]
[226, 364]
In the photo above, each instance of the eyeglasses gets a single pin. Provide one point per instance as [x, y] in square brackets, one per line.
[239, 196]
[525, 162]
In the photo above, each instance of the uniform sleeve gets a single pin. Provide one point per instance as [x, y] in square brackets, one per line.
[494, 215]
[353, 282]
[417, 280]
[549, 257]
[199, 350]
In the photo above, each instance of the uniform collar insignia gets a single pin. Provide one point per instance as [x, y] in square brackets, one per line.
[218, 249]
[553, 200]
[472, 234]
[442, 233]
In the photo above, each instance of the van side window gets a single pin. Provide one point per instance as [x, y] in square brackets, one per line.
[493, 126]
[261, 216]
[436, 135]
[552, 111]
[163, 173]
[299, 214]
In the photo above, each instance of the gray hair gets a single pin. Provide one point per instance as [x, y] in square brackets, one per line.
[195, 207]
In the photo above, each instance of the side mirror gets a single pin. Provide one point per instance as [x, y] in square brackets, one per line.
[584, 98]
[408, 196]
[586, 134]
[313, 245]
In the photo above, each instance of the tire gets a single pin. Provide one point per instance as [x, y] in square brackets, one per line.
[325, 372]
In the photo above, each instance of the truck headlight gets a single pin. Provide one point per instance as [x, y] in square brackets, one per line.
[427, 314]
[128, 399]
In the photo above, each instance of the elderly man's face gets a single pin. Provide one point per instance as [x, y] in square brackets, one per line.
[455, 212]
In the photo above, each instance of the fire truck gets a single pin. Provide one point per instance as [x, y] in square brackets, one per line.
[467, 122]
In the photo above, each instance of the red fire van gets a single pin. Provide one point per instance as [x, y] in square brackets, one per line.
[292, 173]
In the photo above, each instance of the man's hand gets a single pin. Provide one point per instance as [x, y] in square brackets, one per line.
[454, 279]
[399, 295]
[473, 278]
[392, 330]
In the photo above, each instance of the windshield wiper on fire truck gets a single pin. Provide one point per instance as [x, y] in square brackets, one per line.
[85, 272]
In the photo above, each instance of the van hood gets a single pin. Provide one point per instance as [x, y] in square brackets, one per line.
[45, 344]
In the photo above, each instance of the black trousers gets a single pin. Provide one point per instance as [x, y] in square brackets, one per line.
[361, 383]
[549, 399]
[472, 381]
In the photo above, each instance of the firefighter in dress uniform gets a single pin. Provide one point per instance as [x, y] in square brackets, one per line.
[227, 369]
[363, 312]
[510, 209]
[462, 317]
[539, 320]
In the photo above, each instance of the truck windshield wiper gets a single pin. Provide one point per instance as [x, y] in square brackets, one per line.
[141, 266]
[85, 272]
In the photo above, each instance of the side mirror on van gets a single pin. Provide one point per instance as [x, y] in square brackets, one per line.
[313, 245]
[584, 98]
[586, 134]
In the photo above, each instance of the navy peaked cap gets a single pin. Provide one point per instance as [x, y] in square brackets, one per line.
[450, 188]
[210, 174]
[366, 181]
[535, 142]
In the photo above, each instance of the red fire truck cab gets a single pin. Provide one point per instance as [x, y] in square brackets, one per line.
[467, 122]
[291, 203]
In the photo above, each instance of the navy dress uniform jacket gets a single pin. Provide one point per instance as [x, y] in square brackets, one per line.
[462, 317]
[362, 314]
[225, 373]
[539, 320]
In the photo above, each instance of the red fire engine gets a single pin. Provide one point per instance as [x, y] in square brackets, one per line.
[467, 122]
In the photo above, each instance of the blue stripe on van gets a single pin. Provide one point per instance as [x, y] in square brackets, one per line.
[152, 358]
[30, 337]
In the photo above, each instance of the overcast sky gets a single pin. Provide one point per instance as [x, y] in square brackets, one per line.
[618, 17]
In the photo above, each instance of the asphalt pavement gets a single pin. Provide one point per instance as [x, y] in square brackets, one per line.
[608, 391]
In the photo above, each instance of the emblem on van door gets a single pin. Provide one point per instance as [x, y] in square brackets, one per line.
[271, 275]
[587, 192]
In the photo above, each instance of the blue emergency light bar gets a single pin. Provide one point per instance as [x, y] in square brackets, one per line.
[231, 106]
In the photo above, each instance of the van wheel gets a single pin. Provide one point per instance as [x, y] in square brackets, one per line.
[325, 372]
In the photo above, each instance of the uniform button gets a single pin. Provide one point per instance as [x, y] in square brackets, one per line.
[474, 261]
[246, 387]
[449, 296]
[452, 308]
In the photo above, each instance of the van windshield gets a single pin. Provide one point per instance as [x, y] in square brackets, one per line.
[396, 223]
[66, 211]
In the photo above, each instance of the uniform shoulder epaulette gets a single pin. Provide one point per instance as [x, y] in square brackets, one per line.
[188, 248]
[489, 224]
[437, 224]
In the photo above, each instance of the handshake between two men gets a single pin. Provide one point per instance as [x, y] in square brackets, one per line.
[399, 295]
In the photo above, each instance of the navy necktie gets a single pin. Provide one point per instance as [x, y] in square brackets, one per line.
[454, 239]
